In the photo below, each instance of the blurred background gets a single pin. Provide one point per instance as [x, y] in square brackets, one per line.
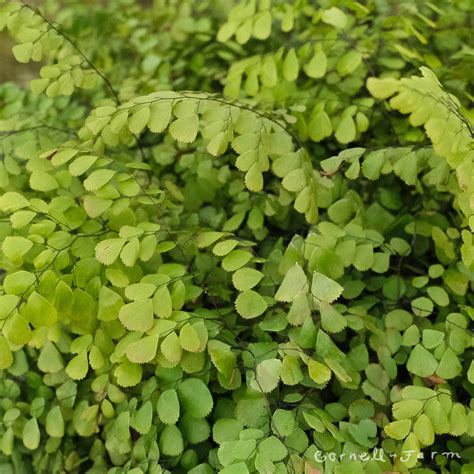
[10, 69]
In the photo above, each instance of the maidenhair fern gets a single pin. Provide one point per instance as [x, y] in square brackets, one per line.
[237, 237]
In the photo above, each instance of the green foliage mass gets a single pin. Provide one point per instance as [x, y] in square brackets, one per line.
[237, 235]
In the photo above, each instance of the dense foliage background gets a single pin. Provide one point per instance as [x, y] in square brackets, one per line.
[237, 237]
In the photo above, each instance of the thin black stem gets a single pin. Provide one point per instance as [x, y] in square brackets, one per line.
[79, 51]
